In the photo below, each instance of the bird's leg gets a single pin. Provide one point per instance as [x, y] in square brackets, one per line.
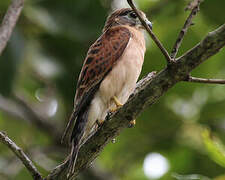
[117, 103]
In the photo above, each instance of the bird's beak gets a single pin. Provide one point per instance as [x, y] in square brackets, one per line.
[148, 23]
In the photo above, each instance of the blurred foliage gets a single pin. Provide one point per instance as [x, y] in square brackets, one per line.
[42, 62]
[214, 147]
[190, 177]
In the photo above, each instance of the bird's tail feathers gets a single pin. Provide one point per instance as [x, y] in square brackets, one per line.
[65, 138]
[73, 158]
[76, 137]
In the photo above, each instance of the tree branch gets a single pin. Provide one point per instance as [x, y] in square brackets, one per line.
[187, 24]
[40, 122]
[11, 108]
[146, 94]
[21, 155]
[207, 81]
[148, 91]
[20, 108]
[152, 35]
[9, 22]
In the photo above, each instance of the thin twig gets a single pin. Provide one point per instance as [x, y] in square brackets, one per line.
[203, 80]
[21, 155]
[155, 39]
[184, 30]
[9, 22]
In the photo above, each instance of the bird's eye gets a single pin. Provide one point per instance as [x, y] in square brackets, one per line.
[133, 15]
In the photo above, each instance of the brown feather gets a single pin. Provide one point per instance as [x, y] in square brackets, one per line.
[111, 19]
[101, 58]
[111, 68]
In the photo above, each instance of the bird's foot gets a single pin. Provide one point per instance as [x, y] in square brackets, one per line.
[117, 102]
[132, 123]
[99, 122]
[114, 109]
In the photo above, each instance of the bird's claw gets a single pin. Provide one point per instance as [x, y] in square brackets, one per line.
[112, 110]
[132, 123]
[117, 102]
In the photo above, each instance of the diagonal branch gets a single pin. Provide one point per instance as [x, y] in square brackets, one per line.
[184, 30]
[154, 38]
[22, 110]
[21, 155]
[147, 93]
[40, 122]
[9, 22]
[203, 80]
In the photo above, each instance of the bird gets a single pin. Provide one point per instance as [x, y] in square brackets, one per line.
[108, 76]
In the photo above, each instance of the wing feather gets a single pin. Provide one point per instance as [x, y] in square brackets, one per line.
[101, 58]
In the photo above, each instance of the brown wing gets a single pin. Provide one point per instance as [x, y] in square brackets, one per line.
[101, 57]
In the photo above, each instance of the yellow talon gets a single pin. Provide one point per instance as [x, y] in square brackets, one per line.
[113, 109]
[117, 102]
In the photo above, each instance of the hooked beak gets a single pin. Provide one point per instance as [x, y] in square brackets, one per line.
[148, 23]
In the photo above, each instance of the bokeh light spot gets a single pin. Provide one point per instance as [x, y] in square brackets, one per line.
[155, 165]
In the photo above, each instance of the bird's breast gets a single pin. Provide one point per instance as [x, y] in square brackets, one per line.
[122, 79]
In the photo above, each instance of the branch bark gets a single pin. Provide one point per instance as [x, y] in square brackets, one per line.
[152, 35]
[21, 155]
[184, 30]
[207, 81]
[148, 91]
[9, 22]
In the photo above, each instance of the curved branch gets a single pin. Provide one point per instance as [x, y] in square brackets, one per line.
[21, 155]
[148, 91]
[203, 80]
[9, 22]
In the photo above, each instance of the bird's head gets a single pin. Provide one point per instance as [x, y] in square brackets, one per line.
[126, 16]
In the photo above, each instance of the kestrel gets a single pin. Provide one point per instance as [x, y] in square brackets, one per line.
[108, 76]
